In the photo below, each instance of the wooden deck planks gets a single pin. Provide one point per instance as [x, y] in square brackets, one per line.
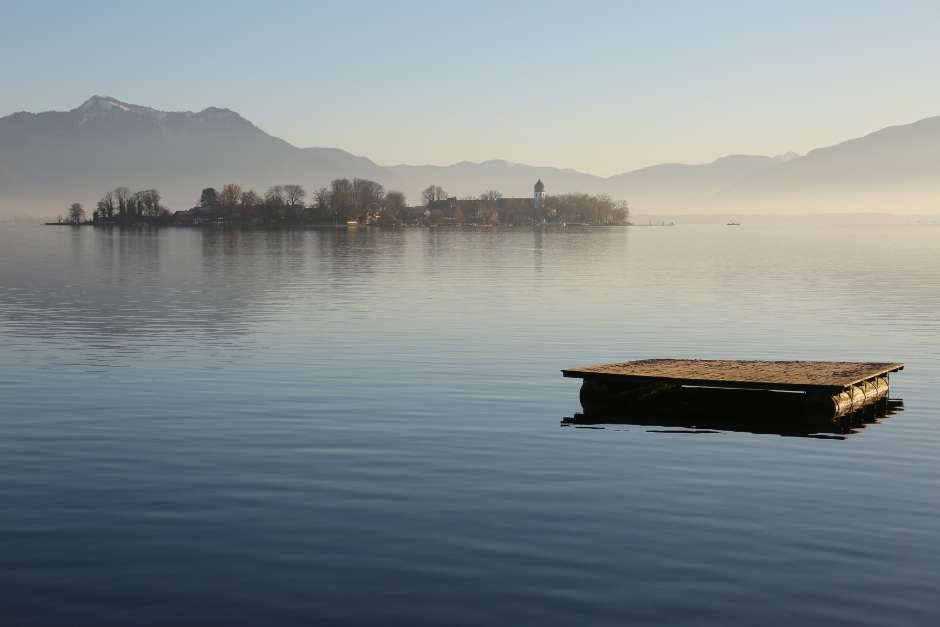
[783, 375]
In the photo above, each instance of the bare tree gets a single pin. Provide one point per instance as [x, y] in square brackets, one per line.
[433, 193]
[395, 200]
[148, 202]
[367, 195]
[322, 198]
[250, 199]
[106, 206]
[123, 197]
[137, 204]
[491, 195]
[620, 213]
[230, 195]
[393, 205]
[76, 213]
[294, 195]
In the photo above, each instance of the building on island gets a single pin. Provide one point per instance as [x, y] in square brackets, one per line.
[501, 210]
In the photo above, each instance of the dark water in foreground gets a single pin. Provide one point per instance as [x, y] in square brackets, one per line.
[251, 428]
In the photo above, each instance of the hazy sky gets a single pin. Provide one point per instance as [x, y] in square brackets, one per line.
[601, 87]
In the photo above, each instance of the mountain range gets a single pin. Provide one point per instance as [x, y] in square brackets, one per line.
[50, 159]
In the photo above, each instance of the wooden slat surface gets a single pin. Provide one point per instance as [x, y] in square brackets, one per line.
[776, 374]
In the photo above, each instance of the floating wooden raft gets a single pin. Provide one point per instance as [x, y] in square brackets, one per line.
[821, 389]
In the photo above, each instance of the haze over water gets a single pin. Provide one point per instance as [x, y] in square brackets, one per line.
[362, 427]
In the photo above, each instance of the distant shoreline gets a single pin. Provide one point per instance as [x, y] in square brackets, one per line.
[354, 227]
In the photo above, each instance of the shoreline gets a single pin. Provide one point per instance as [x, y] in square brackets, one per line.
[353, 227]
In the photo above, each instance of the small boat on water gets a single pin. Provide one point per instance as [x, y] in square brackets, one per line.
[733, 224]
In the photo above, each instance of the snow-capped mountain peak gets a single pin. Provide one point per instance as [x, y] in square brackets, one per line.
[106, 103]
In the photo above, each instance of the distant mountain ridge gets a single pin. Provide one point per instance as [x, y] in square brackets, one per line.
[50, 159]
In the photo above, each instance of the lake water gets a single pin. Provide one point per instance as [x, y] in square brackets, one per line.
[210, 427]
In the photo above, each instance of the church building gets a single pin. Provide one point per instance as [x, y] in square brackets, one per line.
[517, 210]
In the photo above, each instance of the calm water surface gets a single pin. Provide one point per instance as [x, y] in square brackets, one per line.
[315, 427]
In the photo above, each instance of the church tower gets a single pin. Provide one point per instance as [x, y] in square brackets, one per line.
[539, 196]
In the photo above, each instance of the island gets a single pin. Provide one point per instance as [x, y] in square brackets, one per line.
[352, 203]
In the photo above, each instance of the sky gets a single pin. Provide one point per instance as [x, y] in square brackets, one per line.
[602, 87]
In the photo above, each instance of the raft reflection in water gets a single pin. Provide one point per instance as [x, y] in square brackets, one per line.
[748, 412]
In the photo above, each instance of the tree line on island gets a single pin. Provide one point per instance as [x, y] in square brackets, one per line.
[355, 201]
[358, 200]
[121, 206]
